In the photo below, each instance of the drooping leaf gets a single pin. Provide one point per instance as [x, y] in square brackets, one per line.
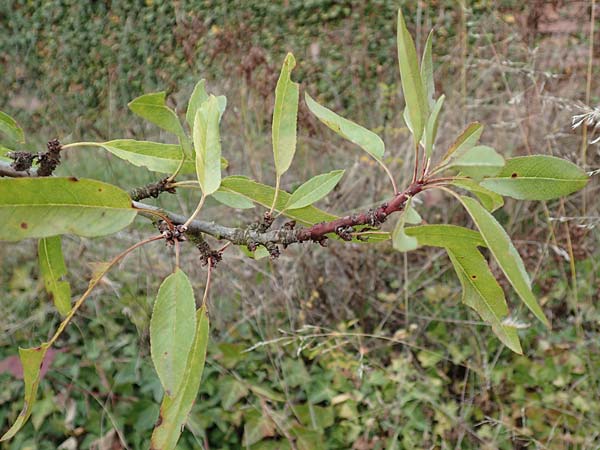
[207, 144]
[478, 162]
[537, 177]
[467, 140]
[489, 199]
[153, 108]
[427, 70]
[482, 292]
[314, 189]
[50, 206]
[505, 254]
[232, 199]
[432, 126]
[172, 329]
[174, 410]
[400, 240]
[162, 158]
[31, 360]
[199, 96]
[367, 140]
[11, 129]
[52, 269]
[412, 84]
[263, 195]
[285, 117]
[446, 236]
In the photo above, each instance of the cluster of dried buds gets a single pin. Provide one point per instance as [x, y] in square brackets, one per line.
[172, 234]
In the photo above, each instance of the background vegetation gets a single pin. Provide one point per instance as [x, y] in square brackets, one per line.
[354, 347]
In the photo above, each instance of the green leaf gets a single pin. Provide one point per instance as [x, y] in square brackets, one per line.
[152, 107]
[263, 195]
[11, 129]
[199, 96]
[489, 199]
[400, 240]
[466, 141]
[162, 158]
[427, 71]
[446, 236]
[174, 410]
[431, 127]
[172, 329]
[505, 254]
[365, 139]
[314, 189]
[313, 416]
[207, 144]
[412, 84]
[231, 391]
[482, 292]
[232, 199]
[50, 206]
[3, 152]
[31, 359]
[537, 177]
[52, 269]
[285, 117]
[478, 162]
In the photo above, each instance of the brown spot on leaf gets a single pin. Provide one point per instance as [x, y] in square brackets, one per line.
[514, 175]
[24, 225]
[99, 189]
[474, 277]
[73, 179]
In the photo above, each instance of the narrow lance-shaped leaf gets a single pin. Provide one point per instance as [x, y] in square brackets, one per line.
[489, 199]
[537, 177]
[31, 359]
[285, 116]
[232, 199]
[446, 236]
[400, 240]
[505, 254]
[172, 329]
[427, 70]
[52, 269]
[478, 162]
[174, 410]
[11, 129]
[49, 206]
[314, 189]
[153, 108]
[412, 84]
[207, 144]
[199, 96]
[467, 140]
[431, 127]
[367, 140]
[482, 292]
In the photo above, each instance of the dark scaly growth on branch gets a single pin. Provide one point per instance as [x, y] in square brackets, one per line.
[47, 161]
[152, 190]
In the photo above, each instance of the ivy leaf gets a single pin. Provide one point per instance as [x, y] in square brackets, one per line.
[482, 292]
[489, 199]
[505, 254]
[314, 189]
[50, 206]
[172, 330]
[152, 107]
[412, 84]
[446, 236]
[537, 177]
[232, 199]
[11, 129]
[479, 161]
[199, 96]
[52, 269]
[431, 127]
[465, 141]
[367, 140]
[207, 144]
[427, 71]
[31, 360]
[400, 240]
[285, 116]
[174, 410]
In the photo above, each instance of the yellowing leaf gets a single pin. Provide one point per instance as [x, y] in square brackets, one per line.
[52, 269]
[285, 116]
